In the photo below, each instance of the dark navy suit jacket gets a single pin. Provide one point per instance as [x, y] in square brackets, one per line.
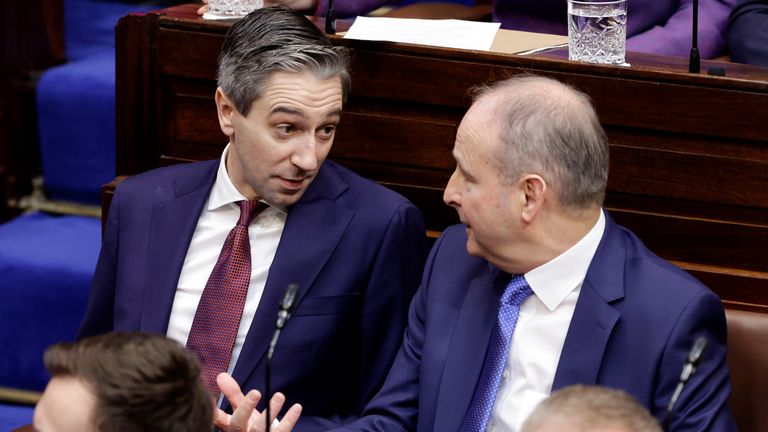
[355, 248]
[635, 321]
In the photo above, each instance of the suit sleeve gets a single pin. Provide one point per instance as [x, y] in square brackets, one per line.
[395, 407]
[393, 280]
[703, 404]
[673, 38]
[100, 312]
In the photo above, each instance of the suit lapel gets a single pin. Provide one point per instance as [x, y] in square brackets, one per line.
[466, 352]
[312, 230]
[594, 317]
[172, 226]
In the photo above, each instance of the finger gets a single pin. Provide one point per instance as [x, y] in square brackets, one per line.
[204, 8]
[230, 389]
[275, 405]
[240, 417]
[221, 419]
[290, 418]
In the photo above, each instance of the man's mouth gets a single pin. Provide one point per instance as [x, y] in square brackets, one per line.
[293, 183]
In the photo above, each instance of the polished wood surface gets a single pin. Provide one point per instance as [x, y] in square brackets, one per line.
[689, 153]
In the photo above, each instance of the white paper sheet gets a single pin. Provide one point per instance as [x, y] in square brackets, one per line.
[444, 33]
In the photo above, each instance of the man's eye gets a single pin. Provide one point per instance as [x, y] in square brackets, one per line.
[327, 131]
[285, 129]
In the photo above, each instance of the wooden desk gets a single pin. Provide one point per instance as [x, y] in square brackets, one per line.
[689, 153]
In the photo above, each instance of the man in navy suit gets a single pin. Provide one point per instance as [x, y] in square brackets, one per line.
[601, 309]
[355, 249]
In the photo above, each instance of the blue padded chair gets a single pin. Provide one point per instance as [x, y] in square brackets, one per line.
[76, 103]
[46, 260]
[13, 416]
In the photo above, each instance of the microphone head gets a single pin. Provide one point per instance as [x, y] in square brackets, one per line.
[289, 299]
[698, 348]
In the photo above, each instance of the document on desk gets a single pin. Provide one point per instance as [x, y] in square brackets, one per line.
[443, 33]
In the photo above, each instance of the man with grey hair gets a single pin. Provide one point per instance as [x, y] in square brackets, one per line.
[583, 408]
[204, 252]
[539, 289]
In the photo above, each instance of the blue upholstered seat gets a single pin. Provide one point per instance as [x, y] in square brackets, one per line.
[76, 103]
[13, 416]
[47, 261]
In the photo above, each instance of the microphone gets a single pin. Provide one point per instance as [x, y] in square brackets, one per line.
[691, 363]
[330, 19]
[694, 61]
[287, 305]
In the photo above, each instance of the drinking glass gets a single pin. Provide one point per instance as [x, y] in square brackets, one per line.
[597, 31]
[219, 9]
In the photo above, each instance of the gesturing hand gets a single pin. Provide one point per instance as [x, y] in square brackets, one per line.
[245, 417]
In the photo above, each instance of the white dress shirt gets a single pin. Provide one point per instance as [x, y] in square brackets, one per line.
[219, 216]
[540, 332]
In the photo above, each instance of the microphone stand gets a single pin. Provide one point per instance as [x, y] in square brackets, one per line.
[691, 363]
[694, 62]
[286, 309]
[330, 22]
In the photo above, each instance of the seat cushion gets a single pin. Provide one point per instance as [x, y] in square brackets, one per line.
[13, 416]
[76, 103]
[47, 264]
[748, 361]
[76, 119]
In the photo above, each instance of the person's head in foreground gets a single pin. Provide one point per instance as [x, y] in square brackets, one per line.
[531, 171]
[281, 88]
[121, 382]
[582, 408]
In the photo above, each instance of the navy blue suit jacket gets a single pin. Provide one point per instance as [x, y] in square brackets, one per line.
[635, 321]
[355, 248]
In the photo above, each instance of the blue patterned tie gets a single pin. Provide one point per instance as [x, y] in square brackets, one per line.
[476, 419]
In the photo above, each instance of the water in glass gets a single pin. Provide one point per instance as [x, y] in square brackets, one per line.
[597, 31]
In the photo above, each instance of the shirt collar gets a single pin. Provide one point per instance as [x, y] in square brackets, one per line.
[224, 191]
[554, 280]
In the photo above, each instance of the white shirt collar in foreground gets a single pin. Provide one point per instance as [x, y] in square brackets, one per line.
[552, 281]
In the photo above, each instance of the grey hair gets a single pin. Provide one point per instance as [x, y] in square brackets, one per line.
[591, 408]
[276, 39]
[551, 129]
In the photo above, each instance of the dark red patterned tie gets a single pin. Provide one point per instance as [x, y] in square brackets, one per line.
[217, 318]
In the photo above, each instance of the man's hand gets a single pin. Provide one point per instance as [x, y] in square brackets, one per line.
[204, 8]
[245, 417]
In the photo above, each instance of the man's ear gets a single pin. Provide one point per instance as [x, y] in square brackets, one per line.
[534, 192]
[226, 111]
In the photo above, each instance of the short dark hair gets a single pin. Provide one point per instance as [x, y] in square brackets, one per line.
[141, 382]
[591, 408]
[276, 39]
